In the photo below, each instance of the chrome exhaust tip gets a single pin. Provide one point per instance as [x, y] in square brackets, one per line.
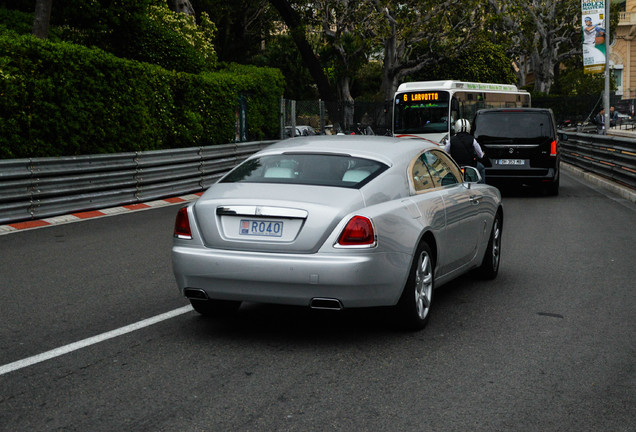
[325, 303]
[195, 294]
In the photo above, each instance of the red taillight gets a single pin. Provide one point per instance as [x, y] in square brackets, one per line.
[182, 224]
[358, 232]
[553, 148]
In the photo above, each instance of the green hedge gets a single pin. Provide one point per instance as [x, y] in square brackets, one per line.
[20, 22]
[63, 99]
[263, 88]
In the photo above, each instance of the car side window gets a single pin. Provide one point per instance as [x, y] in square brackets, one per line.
[443, 171]
[419, 174]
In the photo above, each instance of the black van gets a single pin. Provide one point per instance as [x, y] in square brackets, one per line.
[521, 146]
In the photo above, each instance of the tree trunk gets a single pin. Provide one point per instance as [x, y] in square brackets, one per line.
[543, 62]
[388, 75]
[42, 18]
[522, 73]
[348, 103]
[183, 6]
[291, 18]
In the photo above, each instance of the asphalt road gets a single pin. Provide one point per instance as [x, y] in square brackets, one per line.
[548, 346]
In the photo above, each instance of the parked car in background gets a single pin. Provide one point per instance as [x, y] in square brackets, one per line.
[623, 118]
[300, 131]
[333, 222]
[521, 146]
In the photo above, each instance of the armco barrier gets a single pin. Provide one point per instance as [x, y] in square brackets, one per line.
[609, 156]
[45, 187]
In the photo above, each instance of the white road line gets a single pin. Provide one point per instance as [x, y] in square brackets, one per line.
[91, 341]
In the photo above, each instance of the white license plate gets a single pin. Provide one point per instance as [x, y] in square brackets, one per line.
[511, 162]
[261, 227]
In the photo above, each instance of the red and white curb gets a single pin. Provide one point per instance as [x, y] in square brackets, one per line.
[91, 214]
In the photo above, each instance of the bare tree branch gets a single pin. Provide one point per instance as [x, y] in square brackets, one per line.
[297, 31]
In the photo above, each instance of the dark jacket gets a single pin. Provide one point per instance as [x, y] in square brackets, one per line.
[599, 120]
[462, 150]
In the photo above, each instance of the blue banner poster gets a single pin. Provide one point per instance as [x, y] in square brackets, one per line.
[593, 28]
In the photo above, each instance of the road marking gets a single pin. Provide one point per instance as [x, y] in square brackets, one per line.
[91, 341]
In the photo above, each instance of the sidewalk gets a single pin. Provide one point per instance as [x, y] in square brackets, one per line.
[604, 183]
[622, 133]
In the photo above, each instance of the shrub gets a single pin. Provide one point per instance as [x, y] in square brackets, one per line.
[144, 30]
[19, 22]
[64, 99]
[263, 88]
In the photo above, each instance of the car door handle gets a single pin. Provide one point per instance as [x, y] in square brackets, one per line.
[475, 199]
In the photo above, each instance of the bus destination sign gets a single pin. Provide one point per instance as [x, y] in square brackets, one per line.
[420, 97]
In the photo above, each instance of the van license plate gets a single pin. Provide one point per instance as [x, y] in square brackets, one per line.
[511, 162]
[260, 227]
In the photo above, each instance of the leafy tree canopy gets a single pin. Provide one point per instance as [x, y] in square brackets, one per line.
[481, 61]
[145, 30]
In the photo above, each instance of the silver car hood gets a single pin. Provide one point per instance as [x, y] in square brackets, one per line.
[309, 215]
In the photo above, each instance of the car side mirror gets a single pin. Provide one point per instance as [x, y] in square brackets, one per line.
[471, 175]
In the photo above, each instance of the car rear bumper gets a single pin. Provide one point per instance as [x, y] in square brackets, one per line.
[525, 175]
[355, 279]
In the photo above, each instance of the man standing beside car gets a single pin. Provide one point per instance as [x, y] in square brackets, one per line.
[600, 122]
[465, 149]
[613, 117]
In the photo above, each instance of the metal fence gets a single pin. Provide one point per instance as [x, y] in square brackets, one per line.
[612, 157]
[45, 187]
[579, 109]
[328, 117]
[628, 124]
[369, 118]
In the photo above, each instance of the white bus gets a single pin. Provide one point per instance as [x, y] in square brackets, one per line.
[429, 109]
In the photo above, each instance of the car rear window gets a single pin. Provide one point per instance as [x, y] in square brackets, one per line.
[513, 124]
[307, 168]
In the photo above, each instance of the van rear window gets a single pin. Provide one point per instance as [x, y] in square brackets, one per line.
[513, 124]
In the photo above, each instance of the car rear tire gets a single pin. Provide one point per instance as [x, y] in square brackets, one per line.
[490, 264]
[215, 308]
[414, 307]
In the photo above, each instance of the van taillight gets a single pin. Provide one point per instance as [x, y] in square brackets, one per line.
[182, 225]
[553, 148]
[358, 232]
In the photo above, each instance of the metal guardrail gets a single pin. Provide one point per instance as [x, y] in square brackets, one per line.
[612, 157]
[45, 187]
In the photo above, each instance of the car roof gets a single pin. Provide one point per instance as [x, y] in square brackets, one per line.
[382, 148]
